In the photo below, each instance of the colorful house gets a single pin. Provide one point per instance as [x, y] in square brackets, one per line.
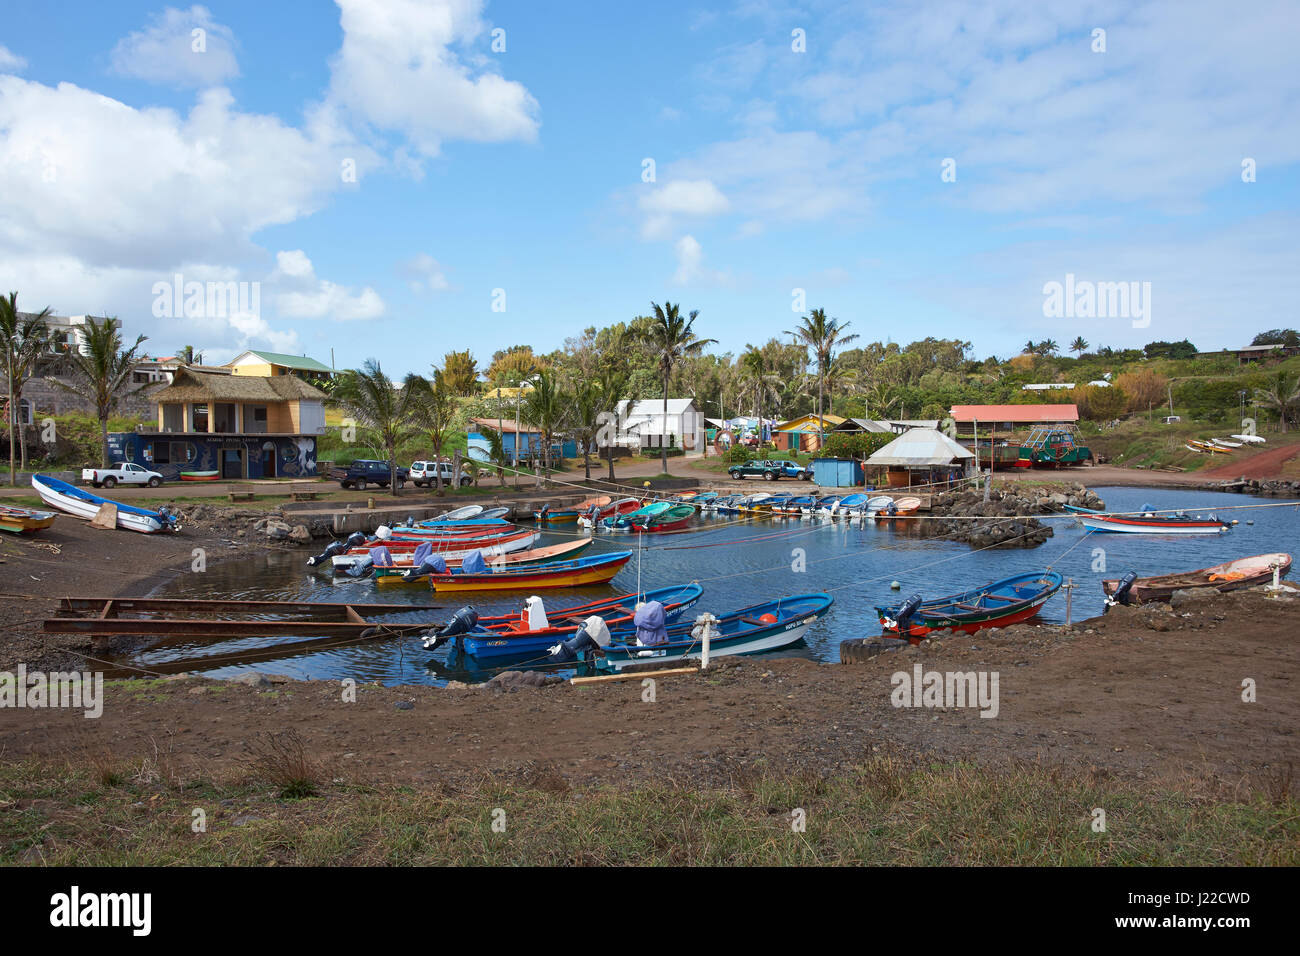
[804, 433]
[271, 364]
[241, 426]
[528, 438]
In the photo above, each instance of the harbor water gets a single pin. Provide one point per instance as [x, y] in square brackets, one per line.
[744, 562]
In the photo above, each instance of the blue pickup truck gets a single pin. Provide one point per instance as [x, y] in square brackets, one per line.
[366, 471]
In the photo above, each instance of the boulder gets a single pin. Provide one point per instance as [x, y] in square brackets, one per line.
[278, 530]
[300, 534]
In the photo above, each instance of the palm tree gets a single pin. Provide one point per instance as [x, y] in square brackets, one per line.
[587, 407]
[496, 451]
[190, 357]
[370, 397]
[1048, 347]
[822, 334]
[434, 408]
[545, 408]
[671, 338]
[101, 370]
[1281, 394]
[763, 384]
[22, 340]
[1079, 345]
[615, 387]
[1030, 348]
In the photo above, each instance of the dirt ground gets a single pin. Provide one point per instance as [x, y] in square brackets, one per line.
[1151, 692]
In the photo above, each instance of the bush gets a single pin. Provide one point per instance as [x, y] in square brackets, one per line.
[739, 455]
[860, 445]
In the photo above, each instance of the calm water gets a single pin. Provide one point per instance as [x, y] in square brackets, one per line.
[742, 564]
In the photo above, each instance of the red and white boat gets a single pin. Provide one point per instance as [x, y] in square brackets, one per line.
[1154, 524]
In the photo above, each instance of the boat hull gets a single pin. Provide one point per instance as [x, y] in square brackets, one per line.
[25, 520]
[1254, 571]
[585, 572]
[392, 577]
[200, 476]
[1148, 526]
[999, 604]
[83, 504]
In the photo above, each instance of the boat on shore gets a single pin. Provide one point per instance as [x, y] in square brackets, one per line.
[200, 476]
[24, 520]
[1228, 576]
[769, 626]
[999, 604]
[577, 572]
[536, 629]
[84, 504]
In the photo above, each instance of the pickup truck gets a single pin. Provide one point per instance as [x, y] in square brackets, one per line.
[423, 474]
[767, 470]
[365, 471]
[124, 473]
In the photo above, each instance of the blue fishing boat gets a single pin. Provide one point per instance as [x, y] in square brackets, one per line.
[826, 506]
[761, 627]
[536, 629]
[635, 519]
[999, 604]
[1079, 510]
[853, 505]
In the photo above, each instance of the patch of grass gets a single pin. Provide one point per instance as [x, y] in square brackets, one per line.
[281, 761]
[887, 811]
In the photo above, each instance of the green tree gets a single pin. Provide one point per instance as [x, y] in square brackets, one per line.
[545, 409]
[370, 397]
[22, 340]
[671, 338]
[822, 335]
[1079, 345]
[460, 372]
[1281, 394]
[101, 372]
[433, 411]
[763, 384]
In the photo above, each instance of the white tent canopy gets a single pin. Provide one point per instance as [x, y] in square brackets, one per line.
[921, 448]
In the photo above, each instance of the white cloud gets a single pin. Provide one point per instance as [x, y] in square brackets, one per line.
[424, 274]
[10, 62]
[690, 263]
[179, 48]
[397, 71]
[303, 295]
[679, 198]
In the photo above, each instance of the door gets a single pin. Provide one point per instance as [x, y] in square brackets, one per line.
[232, 463]
[268, 460]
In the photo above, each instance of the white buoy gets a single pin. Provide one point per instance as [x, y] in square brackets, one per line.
[894, 585]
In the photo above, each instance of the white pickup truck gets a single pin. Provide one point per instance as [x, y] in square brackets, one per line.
[124, 472]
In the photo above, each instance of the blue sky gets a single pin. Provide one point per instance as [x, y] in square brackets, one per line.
[126, 157]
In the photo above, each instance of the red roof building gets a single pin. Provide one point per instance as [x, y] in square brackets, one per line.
[1013, 416]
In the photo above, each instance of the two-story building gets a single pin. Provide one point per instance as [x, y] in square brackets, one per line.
[273, 364]
[239, 426]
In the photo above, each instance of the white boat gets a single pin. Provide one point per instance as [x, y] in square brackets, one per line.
[344, 562]
[1224, 443]
[1250, 439]
[878, 503]
[83, 504]
[459, 514]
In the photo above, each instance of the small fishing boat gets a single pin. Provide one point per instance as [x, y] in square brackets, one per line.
[756, 503]
[24, 520]
[413, 568]
[634, 519]
[907, 506]
[536, 629]
[595, 516]
[777, 504]
[825, 506]
[1193, 444]
[1250, 439]
[80, 502]
[570, 515]
[878, 503]
[457, 514]
[761, 627]
[449, 526]
[853, 506]
[587, 570]
[729, 504]
[1080, 510]
[797, 505]
[1229, 576]
[673, 519]
[999, 604]
[1148, 522]
[358, 558]
[704, 498]
[200, 476]
[1224, 443]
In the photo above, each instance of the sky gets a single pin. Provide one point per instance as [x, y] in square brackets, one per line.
[394, 179]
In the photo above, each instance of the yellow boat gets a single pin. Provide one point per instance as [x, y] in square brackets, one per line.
[24, 520]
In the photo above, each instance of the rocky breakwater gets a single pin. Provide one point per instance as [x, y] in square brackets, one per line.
[243, 525]
[1009, 515]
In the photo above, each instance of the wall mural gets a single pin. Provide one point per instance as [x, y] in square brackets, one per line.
[294, 457]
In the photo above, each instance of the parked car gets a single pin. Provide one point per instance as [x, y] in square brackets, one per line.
[767, 470]
[366, 471]
[124, 473]
[423, 474]
[792, 469]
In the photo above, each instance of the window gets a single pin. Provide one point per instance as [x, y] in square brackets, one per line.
[160, 452]
[200, 413]
[224, 417]
[173, 418]
[255, 419]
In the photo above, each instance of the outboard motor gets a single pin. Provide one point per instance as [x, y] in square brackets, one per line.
[383, 532]
[543, 512]
[354, 540]
[534, 615]
[651, 630]
[903, 614]
[462, 622]
[891, 509]
[1123, 591]
[433, 564]
[589, 640]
